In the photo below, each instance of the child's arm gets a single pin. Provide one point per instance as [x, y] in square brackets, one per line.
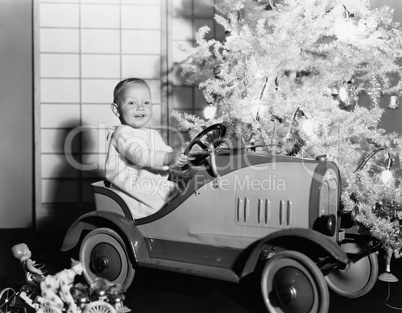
[137, 149]
[175, 159]
[141, 152]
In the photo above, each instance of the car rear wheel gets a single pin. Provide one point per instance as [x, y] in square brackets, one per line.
[103, 254]
[358, 278]
[292, 283]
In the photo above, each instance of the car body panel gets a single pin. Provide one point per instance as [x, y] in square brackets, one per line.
[223, 223]
[241, 207]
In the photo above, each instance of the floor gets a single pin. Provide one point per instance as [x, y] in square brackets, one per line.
[156, 291]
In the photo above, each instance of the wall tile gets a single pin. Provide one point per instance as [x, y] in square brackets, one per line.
[60, 191]
[58, 15]
[58, 140]
[182, 98]
[143, 66]
[176, 76]
[199, 113]
[59, 40]
[60, 115]
[98, 115]
[200, 102]
[95, 164]
[100, 66]
[58, 1]
[101, 1]
[50, 141]
[100, 41]
[58, 166]
[100, 16]
[60, 90]
[179, 53]
[59, 65]
[141, 17]
[155, 86]
[182, 8]
[142, 2]
[203, 10]
[94, 139]
[182, 29]
[98, 90]
[156, 116]
[141, 41]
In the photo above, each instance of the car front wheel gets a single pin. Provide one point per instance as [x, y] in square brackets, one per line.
[292, 283]
[103, 254]
[358, 278]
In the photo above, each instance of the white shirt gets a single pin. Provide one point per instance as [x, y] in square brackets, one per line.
[134, 165]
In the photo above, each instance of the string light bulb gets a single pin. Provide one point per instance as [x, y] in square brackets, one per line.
[386, 175]
[343, 94]
[307, 126]
[210, 112]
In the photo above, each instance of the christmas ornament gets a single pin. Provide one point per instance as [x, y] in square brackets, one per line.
[393, 103]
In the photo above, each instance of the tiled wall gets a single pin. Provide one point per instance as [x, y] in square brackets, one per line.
[82, 49]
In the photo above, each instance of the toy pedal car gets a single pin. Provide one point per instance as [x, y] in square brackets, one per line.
[241, 213]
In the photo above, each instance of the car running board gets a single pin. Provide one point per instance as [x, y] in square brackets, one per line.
[192, 269]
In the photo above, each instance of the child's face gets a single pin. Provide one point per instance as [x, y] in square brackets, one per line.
[135, 105]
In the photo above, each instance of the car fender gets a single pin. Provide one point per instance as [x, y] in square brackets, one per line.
[132, 237]
[285, 238]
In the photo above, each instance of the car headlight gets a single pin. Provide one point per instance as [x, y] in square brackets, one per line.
[326, 224]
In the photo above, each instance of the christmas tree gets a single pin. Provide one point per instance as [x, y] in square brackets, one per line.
[304, 78]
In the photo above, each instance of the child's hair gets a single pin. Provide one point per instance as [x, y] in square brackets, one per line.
[125, 82]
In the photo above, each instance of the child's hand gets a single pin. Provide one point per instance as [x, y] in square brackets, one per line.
[177, 159]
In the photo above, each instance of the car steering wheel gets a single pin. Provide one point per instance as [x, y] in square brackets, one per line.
[209, 139]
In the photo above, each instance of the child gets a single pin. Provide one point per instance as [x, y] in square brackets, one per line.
[138, 160]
